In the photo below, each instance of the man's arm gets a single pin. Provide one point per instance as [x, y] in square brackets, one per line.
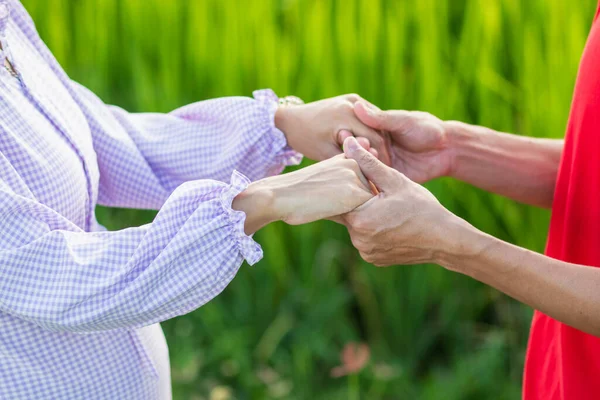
[405, 224]
[518, 167]
[566, 292]
[424, 147]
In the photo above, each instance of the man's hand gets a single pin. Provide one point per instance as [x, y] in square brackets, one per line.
[424, 147]
[313, 129]
[419, 145]
[403, 224]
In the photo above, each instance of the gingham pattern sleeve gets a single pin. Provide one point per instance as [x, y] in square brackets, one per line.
[144, 157]
[64, 279]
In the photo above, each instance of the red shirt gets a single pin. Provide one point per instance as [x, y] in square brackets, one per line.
[563, 362]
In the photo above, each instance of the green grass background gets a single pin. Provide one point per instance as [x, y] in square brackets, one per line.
[278, 329]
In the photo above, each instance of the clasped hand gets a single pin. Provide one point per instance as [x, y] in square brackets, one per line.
[400, 222]
[331, 187]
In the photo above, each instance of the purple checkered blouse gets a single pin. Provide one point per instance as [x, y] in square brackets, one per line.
[79, 306]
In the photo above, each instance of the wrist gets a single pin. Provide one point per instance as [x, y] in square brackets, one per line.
[285, 116]
[257, 203]
[281, 199]
[281, 117]
[459, 139]
[461, 244]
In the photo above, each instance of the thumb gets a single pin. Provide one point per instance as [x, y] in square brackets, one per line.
[371, 116]
[373, 169]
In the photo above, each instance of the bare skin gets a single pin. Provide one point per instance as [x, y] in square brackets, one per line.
[405, 224]
[332, 187]
[424, 147]
[313, 129]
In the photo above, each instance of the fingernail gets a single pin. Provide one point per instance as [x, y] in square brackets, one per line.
[351, 143]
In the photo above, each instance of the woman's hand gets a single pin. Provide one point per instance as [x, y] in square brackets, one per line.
[323, 190]
[313, 129]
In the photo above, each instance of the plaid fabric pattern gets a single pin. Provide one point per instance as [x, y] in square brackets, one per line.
[76, 301]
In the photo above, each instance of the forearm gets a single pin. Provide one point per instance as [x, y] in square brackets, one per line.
[518, 167]
[567, 292]
[145, 156]
[125, 279]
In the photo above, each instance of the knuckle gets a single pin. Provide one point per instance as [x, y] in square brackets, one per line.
[345, 164]
[353, 97]
[349, 178]
[353, 165]
[386, 120]
[400, 177]
[356, 241]
[372, 247]
[385, 117]
[346, 106]
[423, 115]
[368, 159]
[368, 257]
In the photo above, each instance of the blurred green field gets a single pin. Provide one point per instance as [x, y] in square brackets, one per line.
[278, 329]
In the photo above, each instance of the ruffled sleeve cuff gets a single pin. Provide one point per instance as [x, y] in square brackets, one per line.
[283, 154]
[250, 250]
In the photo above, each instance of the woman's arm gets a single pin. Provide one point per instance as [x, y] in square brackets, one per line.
[56, 275]
[518, 167]
[143, 157]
